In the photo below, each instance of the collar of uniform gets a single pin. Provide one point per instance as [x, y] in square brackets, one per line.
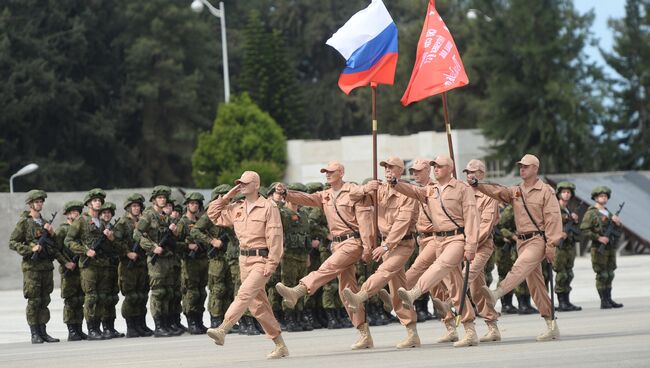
[345, 188]
[452, 183]
[539, 185]
[260, 202]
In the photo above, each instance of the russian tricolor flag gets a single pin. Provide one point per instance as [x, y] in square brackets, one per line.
[368, 42]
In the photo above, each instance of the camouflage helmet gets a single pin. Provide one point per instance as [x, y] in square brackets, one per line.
[160, 190]
[94, 193]
[263, 191]
[178, 208]
[134, 198]
[108, 206]
[565, 185]
[314, 187]
[220, 190]
[35, 194]
[194, 196]
[366, 180]
[271, 189]
[72, 205]
[300, 187]
[238, 197]
[600, 190]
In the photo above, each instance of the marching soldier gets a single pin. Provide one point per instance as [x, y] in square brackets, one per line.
[565, 254]
[71, 292]
[110, 272]
[539, 230]
[33, 240]
[258, 226]
[594, 225]
[455, 219]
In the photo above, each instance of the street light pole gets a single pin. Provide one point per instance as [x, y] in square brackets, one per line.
[28, 169]
[197, 7]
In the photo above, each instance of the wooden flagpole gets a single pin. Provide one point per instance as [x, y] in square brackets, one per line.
[374, 158]
[450, 144]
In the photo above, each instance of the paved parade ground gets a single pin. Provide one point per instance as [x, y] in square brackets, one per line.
[590, 338]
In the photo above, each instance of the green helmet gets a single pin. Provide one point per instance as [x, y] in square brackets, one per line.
[238, 197]
[599, 190]
[565, 185]
[300, 187]
[134, 198]
[314, 187]
[220, 190]
[72, 205]
[94, 193]
[271, 189]
[366, 180]
[160, 190]
[108, 206]
[35, 194]
[178, 208]
[263, 191]
[194, 196]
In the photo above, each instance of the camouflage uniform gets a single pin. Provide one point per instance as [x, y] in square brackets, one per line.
[38, 279]
[594, 223]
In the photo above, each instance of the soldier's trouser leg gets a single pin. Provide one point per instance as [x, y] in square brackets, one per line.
[527, 266]
[217, 298]
[37, 287]
[176, 289]
[563, 267]
[391, 272]
[133, 283]
[252, 295]
[73, 298]
[449, 255]
[195, 273]
[426, 257]
[159, 283]
[477, 281]
[89, 281]
[604, 266]
[293, 268]
[109, 292]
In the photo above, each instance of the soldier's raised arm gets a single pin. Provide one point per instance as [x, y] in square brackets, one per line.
[412, 191]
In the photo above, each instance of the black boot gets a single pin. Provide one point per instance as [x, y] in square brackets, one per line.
[215, 321]
[94, 333]
[332, 322]
[524, 305]
[131, 328]
[45, 336]
[568, 302]
[141, 326]
[36, 334]
[193, 325]
[382, 320]
[371, 316]
[290, 321]
[506, 305]
[281, 317]
[604, 301]
[343, 318]
[425, 307]
[80, 331]
[109, 325]
[73, 335]
[172, 326]
[105, 332]
[198, 316]
[160, 327]
[612, 302]
[420, 310]
[235, 328]
[243, 325]
[305, 323]
[315, 324]
[561, 303]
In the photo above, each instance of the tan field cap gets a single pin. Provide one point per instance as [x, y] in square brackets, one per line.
[529, 159]
[474, 165]
[420, 164]
[393, 161]
[332, 166]
[248, 177]
[442, 160]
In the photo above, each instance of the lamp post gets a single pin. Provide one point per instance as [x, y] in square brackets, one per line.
[220, 12]
[28, 169]
[474, 13]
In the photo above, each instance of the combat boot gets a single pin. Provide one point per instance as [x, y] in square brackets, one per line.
[219, 334]
[315, 324]
[412, 339]
[160, 327]
[612, 302]
[409, 296]
[106, 334]
[243, 326]
[365, 340]
[280, 350]
[36, 334]
[251, 329]
[451, 335]
[344, 319]
[492, 334]
[215, 321]
[524, 305]
[386, 300]
[290, 296]
[552, 331]
[109, 325]
[171, 325]
[192, 327]
[506, 304]
[354, 300]
[281, 318]
[442, 309]
[491, 297]
[571, 306]
[290, 321]
[131, 329]
[141, 326]
[470, 339]
[332, 322]
[94, 333]
[419, 310]
[198, 317]
[305, 323]
[371, 316]
[604, 302]
[45, 336]
[80, 331]
[73, 335]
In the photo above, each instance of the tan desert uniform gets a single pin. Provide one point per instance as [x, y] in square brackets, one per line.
[451, 242]
[257, 227]
[396, 219]
[545, 210]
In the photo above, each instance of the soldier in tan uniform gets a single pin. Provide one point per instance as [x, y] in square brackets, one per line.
[258, 226]
[488, 209]
[342, 214]
[539, 230]
[453, 210]
[397, 215]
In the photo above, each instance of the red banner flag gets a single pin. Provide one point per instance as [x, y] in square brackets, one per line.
[438, 67]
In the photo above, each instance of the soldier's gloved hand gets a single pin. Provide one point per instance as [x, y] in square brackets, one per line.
[132, 256]
[36, 248]
[550, 254]
[315, 243]
[158, 250]
[603, 239]
[91, 253]
[216, 243]
[70, 265]
[172, 227]
[193, 247]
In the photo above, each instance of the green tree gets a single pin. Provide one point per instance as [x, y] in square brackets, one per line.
[630, 128]
[241, 132]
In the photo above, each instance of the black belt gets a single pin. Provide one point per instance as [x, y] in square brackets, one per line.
[344, 237]
[262, 252]
[458, 231]
[426, 235]
[527, 236]
[406, 237]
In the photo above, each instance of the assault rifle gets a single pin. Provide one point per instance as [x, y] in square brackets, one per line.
[136, 248]
[45, 241]
[167, 242]
[611, 232]
[98, 244]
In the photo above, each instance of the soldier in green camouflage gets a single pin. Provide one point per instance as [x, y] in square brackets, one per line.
[194, 266]
[565, 253]
[175, 212]
[154, 233]
[71, 292]
[594, 224]
[113, 249]
[132, 271]
[274, 297]
[37, 256]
